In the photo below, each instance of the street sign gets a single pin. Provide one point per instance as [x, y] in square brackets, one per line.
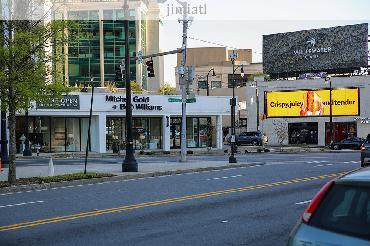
[178, 100]
[173, 100]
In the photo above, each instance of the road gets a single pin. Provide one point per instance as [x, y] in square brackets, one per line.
[255, 205]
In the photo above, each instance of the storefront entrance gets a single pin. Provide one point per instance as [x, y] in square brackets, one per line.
[303, 133]
[175, 138]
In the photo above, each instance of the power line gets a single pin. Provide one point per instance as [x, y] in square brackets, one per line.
[218, 44]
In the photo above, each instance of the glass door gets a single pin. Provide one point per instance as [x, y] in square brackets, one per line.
[175, 138]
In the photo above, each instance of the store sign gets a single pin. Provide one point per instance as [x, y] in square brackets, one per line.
[66, 102]
[311, 103]
[138, 103]
[363, 120]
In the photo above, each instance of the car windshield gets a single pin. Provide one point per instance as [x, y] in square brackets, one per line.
[346, 210]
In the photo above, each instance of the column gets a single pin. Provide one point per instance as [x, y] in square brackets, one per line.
[98, 133]
[219, 133]
[166, 132]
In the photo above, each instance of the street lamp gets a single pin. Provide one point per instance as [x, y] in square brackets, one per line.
[257, 104]
[328, 80]
[213, 75]
[130, 163]
[233, 56]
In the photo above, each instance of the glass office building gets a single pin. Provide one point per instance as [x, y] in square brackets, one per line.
[96, 43]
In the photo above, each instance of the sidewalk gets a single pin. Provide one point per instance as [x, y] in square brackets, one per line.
[195, 152]
[146, 166]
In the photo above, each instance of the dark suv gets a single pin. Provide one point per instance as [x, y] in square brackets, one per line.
[250, 138]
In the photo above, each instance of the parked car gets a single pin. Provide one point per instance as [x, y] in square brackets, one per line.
[349, 143]
[250, 138]
[365, 153]
[338, 215]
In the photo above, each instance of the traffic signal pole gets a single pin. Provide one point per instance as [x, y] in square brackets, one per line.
[182, 80]
[129, 164]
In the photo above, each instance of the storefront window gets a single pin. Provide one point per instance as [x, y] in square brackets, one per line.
[147, 133]
[205, 132]
[58, 135]
[341, 130]
[114, 134]
[198, 133]
[303, 133]
[39, 133]
[192, 133]
[73, 134]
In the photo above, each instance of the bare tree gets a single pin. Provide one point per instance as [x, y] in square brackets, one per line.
[281, 130]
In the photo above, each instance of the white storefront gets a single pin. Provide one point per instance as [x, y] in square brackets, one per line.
[156, 122]
[311, 129]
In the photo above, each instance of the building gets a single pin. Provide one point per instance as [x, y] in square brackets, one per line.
[283, 104]
[315, 77]
[205, 59]
[156, 123]
[99, 47]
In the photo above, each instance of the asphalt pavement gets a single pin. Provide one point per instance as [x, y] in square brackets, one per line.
[251, 205]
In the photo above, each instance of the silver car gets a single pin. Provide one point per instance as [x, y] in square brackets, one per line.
[339, 215]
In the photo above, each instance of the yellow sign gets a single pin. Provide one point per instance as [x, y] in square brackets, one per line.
[303, 103]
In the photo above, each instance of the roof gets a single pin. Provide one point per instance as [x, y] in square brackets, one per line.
[361, 175]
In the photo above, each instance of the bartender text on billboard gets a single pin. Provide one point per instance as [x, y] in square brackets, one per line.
[306, 103]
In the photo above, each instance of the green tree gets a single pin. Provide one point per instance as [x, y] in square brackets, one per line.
[28, 73]
[167, 89]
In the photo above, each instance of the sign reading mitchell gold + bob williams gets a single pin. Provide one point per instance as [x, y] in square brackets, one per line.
[312, 103]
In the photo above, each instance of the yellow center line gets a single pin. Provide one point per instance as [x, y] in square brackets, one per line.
[160, 202]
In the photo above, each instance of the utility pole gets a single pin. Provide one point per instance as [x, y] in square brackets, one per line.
[130, 163]
[182, 79]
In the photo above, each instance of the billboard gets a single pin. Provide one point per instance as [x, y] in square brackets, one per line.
[312, 103]
[327, 49]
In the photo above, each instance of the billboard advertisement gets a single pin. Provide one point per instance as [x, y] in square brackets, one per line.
[327, 49]
[312, 103]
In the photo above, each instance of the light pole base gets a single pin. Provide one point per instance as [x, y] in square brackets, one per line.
[232, 159]
[130, 165]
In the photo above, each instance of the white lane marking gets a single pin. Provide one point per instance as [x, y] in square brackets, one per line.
[225, 177]
[324, 165]
[305, 202]
[20, 204]
[144, 178]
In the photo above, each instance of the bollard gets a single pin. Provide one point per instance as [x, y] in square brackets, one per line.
[51, 167]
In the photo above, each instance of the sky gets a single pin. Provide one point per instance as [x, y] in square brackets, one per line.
[242, 23]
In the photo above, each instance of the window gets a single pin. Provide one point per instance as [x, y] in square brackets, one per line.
[202, 84]
[216, 84]
[239, 80]
[346, 210]
[303, 133]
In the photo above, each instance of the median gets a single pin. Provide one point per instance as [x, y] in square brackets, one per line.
[58, 178]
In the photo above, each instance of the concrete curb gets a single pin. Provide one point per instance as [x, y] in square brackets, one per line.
[30, 187]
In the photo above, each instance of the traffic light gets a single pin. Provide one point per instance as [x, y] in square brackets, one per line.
[118, 77]
[150, 68]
